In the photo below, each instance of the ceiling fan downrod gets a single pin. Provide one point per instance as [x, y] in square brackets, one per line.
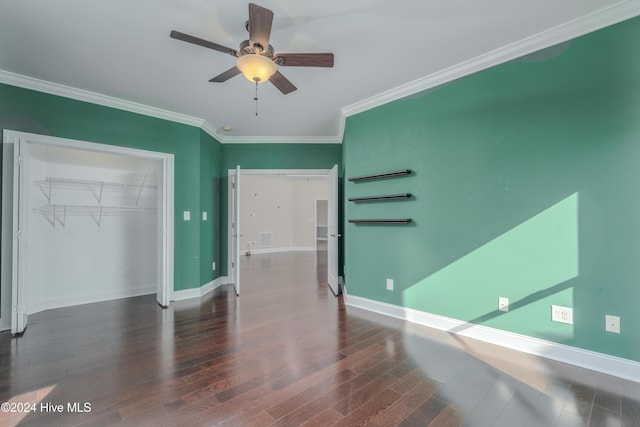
[256, 98]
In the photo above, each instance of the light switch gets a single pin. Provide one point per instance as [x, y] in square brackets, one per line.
[204, 216]
[186, 215]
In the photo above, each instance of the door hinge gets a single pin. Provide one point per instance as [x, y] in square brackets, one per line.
[233, 185]
[19, 160]
[233, 265]
[18, 234]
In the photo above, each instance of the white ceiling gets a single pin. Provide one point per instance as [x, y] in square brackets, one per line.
[383, 50]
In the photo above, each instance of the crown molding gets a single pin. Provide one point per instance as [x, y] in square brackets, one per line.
[212, 131]
[281, 140]
[611, 15]
[594, 21]
[95, 98]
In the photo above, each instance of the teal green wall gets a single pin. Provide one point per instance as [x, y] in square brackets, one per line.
[525, 185]
[210, 244]
[280, 156]
[272, 156]
[31, 111]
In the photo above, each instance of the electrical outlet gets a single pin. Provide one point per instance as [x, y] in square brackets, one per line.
[503, 304]
[213, 266]
[612, 324]
[204, 216]
[186, 215]
[562, 314]
[389, 284]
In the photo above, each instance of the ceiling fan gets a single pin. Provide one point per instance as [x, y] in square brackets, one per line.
[256, 58]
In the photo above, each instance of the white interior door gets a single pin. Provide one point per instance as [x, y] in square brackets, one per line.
[162, 294]
[19, 314]
[235, 230]
[332, 230]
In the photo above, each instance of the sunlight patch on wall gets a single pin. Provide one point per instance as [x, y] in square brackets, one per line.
[531, 264]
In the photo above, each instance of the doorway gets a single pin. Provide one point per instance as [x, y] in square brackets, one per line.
[68, 206]
[265, 241]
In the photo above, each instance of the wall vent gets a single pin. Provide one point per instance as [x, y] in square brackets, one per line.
[265, 239]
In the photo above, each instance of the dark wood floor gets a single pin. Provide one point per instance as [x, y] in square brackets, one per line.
[285, 353]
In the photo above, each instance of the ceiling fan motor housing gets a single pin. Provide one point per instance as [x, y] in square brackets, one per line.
[247, 48]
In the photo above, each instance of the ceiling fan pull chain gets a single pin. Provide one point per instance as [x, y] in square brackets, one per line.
[256, 98]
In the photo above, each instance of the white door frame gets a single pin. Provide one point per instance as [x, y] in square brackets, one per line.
[165, 228]
[333, 236]
[273, 172]
[234, 228]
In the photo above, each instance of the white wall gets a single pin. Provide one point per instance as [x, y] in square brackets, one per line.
[82, 261]
[266, 204]
[283, 205]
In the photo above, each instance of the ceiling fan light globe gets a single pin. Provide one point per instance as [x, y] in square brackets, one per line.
[256, 68]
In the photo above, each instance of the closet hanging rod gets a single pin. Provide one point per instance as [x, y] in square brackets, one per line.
[69, 182]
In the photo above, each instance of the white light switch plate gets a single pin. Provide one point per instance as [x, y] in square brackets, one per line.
[389, 284]
[186, 215]
[503, 304]
[204, 216]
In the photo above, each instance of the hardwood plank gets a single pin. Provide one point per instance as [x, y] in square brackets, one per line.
[309, 394]
[356, 399]
[425, 413]
[328, 417]
[365, 413]
[404, 406]
[450, 417]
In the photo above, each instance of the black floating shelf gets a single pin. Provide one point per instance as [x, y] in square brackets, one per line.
[381, 175]
[380, 198]
[380, 221]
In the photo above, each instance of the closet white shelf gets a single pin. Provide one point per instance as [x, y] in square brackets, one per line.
[59, 213]
[96, 188]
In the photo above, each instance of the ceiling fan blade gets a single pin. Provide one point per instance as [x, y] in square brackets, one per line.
[305, 59]
[204, 43]
[223, 77]
[260, 20]
[282, 83]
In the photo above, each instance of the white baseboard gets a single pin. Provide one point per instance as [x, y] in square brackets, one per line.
[197, 292]
[600, 362]
[89, 299]
[278, 250]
